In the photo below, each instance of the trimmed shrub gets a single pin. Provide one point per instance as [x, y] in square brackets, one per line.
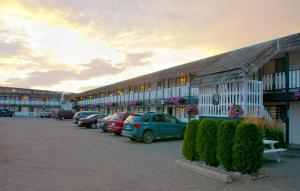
[247, 148]
[207, 142]
[225, 137]
[277, 135]
[189, 144]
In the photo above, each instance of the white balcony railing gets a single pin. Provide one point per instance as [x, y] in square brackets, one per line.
[276, 81]
[182, 91]
[30, 103]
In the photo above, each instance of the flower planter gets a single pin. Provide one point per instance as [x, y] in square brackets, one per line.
[235, 111]
[174, 100]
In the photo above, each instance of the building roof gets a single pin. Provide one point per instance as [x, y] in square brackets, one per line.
[236, 65]
[233, 65]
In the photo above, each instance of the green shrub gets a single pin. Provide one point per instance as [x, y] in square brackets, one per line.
[207, 141]
[189, 144]
[225, 137]
[277, 135]
[247, 148]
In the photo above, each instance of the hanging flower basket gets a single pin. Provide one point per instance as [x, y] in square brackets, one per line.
[191, 110]
[174, 100]
[297, 95]
[235, 111]
[135, 103]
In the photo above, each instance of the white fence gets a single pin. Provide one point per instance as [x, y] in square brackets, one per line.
[31, 103]
[248, 94]
[277, 80]
[182, 91]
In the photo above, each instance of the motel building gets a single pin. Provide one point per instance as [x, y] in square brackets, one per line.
[261, 78]
[31, 102]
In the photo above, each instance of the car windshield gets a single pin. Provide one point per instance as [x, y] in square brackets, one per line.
[106, 118]
[117, 117]
[92, 116]
[133, 118]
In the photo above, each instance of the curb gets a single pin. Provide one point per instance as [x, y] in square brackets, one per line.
[204, 171]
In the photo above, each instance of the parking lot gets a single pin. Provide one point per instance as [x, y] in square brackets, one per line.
[47, 154]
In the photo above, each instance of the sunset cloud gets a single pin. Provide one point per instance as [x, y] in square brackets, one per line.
[75, 45]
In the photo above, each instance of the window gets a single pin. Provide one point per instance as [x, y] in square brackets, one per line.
[180, 81]
[170, 119]
[170, 83]
[279, 65]
[160, 85]
[158, 118]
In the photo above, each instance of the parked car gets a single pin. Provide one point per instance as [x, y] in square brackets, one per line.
[150, 126]
[90, 121]
[83, 114]
[64, 114]
[115, 124]
[103, 123]
[47, 113]
[6, 113]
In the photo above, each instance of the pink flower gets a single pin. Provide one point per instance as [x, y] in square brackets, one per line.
[235, 111]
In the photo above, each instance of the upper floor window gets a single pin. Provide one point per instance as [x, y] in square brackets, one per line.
[180, 81]
[160, 85]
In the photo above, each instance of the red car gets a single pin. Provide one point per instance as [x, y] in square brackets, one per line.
[90, 121]
[115, 124]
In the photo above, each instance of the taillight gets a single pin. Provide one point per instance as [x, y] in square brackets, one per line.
[136, 125]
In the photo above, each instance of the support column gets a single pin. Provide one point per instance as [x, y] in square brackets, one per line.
[189, 100]
[287, 90]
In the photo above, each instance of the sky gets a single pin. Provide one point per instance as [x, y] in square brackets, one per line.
[75, 45]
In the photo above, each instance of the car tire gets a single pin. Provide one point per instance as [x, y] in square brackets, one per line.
[104, 130]
[93, 126]
[118, 134]
[148, 136]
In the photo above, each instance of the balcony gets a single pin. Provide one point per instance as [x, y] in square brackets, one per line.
[182, 91]
[276, 81]
[29, 103]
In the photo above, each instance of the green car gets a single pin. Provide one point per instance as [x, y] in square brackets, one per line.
[150, 126]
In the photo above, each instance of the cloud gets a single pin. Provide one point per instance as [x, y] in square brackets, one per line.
[96, 68]
[137, 59]
[12, 48]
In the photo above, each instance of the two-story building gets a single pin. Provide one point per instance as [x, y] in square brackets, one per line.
[30, 102]
[262, 79]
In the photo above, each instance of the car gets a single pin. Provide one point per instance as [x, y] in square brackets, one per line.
[64, 114]
[103, 123]
[149, 126]
[83, 114]
[46, 113]
[115, 124]
[90, 121]
[6, 113]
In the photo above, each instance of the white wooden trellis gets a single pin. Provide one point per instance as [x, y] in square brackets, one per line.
[248, 94]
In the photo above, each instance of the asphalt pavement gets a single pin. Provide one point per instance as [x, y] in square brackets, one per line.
[47, 154]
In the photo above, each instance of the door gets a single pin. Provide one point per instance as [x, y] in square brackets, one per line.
[172, 128]
[170, 110]
[158, 122]
[294, 123]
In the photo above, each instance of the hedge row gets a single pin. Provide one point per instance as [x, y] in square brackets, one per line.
[233, 144]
